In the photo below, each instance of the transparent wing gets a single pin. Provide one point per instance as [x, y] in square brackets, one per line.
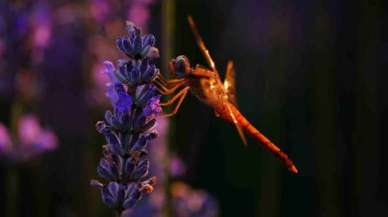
[201, 44]
[230, 89]
[230, 84]
[238, 127]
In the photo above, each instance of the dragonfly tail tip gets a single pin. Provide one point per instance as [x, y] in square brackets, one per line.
[293, 169]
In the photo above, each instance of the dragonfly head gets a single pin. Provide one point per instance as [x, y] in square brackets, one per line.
[181, 66]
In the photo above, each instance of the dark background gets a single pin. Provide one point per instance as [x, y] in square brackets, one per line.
[310, 75]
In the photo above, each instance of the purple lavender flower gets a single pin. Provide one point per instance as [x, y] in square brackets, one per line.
[130, 125]
[136, 46]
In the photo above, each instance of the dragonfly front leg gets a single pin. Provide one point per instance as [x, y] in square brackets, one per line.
[180, 96]
[163, 86]
[170, 81]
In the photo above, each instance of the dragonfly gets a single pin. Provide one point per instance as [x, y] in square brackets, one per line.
[205, 83]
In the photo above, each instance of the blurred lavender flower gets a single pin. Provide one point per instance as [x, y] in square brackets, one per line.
[177, 167]
[188, 202]
[139, 12]
[99, 10]
[32, 136]
[31, 140]
[41, 24]
[25, 33]
[129, 126]
[5, 139]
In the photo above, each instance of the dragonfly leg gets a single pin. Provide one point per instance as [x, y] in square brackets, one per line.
[174, 98]
[181, 96]
[170, 81]
[163, 89]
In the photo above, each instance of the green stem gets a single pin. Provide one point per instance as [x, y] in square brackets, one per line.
[168, 18]
[12, 177]
[12, 186]
[16, 111]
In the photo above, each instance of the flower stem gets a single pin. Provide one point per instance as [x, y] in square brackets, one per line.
[12, 184]
[168, 16]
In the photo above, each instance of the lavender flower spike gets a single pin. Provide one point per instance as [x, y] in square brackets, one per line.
[131, 124]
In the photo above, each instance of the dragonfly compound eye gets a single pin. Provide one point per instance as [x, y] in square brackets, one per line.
[182, 66]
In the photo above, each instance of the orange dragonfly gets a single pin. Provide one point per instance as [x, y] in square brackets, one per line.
[206, 85]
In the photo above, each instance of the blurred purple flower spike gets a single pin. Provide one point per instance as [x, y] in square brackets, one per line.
[5, 139]
[31, 140]
[130, 126]
[29, 129]
[42, 26]
[47, 141]
[32, 136]
[139, 12]
[177, 167]
[99, 10]
[40, 21]
[188, 202]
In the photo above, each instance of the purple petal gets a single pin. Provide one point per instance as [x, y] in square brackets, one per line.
[109, 117]
[149, 73]
[144, 94]
[128, 167]
[110, 194]
[106, 170]
[148, 40]
[124, 103]
[113, 141]
[141, 170]
[140, 144]
[132, 195]
[153, 106]
[109, 70]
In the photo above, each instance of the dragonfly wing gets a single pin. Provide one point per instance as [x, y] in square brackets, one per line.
[201, 44]
[238, 127]
[230, 89]
[230, 83]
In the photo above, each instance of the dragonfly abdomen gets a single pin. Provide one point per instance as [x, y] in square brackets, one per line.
[255, 133]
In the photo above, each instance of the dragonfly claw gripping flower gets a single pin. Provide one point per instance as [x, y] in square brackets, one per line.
[131, 124]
